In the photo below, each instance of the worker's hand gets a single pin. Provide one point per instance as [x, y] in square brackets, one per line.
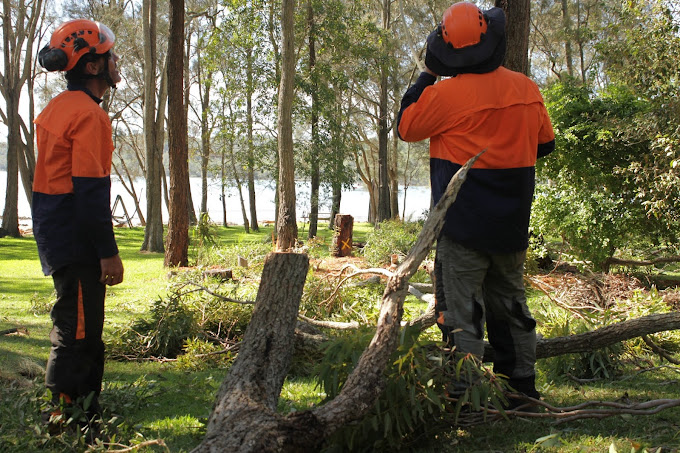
[112, 270]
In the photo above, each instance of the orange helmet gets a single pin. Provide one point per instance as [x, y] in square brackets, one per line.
[463, 25]
[468, 40]
[72, 40]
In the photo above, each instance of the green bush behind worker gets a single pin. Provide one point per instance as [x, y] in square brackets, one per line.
[479, 263]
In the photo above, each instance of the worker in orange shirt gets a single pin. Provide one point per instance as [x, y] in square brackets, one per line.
[71, 209]
[479, 264]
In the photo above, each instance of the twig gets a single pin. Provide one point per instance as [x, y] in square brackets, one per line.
[148, 443]
[219, 296]
[557, 301]
[14, 330]
[659, 350]
[330, 324]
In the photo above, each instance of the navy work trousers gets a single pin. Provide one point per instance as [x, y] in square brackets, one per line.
[76, 363]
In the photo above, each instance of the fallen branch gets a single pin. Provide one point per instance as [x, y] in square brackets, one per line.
[22, 330]
[330, 324]
[653, 262]
[602, 337]
[588, 409]
[219, 296]
[126, 449]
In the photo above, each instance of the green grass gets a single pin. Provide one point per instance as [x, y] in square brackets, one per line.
[165, 400]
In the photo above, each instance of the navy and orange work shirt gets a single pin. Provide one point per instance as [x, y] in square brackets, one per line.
[72, 187]
[501, 111]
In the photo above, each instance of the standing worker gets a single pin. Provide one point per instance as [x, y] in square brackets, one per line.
[72, 210]
[479, 263]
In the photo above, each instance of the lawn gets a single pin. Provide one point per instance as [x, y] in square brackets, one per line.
[168, 401]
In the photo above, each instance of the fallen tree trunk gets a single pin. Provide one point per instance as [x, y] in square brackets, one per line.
[602, 337]
[244, 418]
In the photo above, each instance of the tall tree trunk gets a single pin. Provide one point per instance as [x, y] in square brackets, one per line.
[19, 32]
[153, 232]
[237, 180]
[393, 170]
[205, 141]
[193, 220]
[286, 227]
[517, 31]
[384, 204]
[251, 144]
[223, 183]
[314, 154]
[10, 214]
[178, 220]
[566, 23]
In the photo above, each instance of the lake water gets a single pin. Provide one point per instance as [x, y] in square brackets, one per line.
[354, 202]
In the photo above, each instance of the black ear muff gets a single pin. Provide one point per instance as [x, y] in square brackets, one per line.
[52, 59]
[80, 43]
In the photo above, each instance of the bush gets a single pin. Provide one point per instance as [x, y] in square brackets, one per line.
[388, 238]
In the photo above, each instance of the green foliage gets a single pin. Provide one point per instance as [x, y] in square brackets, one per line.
[388, 238]
[414, 404]
[585, 194]
[203, 238]
[171, 323]
[201, 354]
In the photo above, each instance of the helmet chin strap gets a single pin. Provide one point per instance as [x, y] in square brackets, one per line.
[104, 75]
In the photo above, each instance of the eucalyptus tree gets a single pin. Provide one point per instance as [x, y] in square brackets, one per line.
[200, 70]
[178, 219]
[324, 82]
[22, 23]
[563, 37]
[155, 98]
[286, 227]
[243, 25]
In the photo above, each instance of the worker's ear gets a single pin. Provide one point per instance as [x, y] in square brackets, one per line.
[94, 67]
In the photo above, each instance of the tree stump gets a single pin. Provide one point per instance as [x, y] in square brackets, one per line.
[342, 236]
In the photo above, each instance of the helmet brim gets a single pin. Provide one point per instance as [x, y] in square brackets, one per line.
[443, 59]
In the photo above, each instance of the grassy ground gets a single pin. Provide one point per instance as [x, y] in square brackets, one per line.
[167, 401]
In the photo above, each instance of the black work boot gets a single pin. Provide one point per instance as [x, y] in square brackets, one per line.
[520, 388]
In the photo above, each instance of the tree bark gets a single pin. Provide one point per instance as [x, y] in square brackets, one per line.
[342, 236]
[314, 151]
[244, 418]
[153, 232]
[251, 145]
[286, 227]
[384, 204]
[178, 220]
[517, 14]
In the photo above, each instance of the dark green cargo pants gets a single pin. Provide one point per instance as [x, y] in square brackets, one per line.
[474, 289]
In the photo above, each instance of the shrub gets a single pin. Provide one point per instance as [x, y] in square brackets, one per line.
[388, 238]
